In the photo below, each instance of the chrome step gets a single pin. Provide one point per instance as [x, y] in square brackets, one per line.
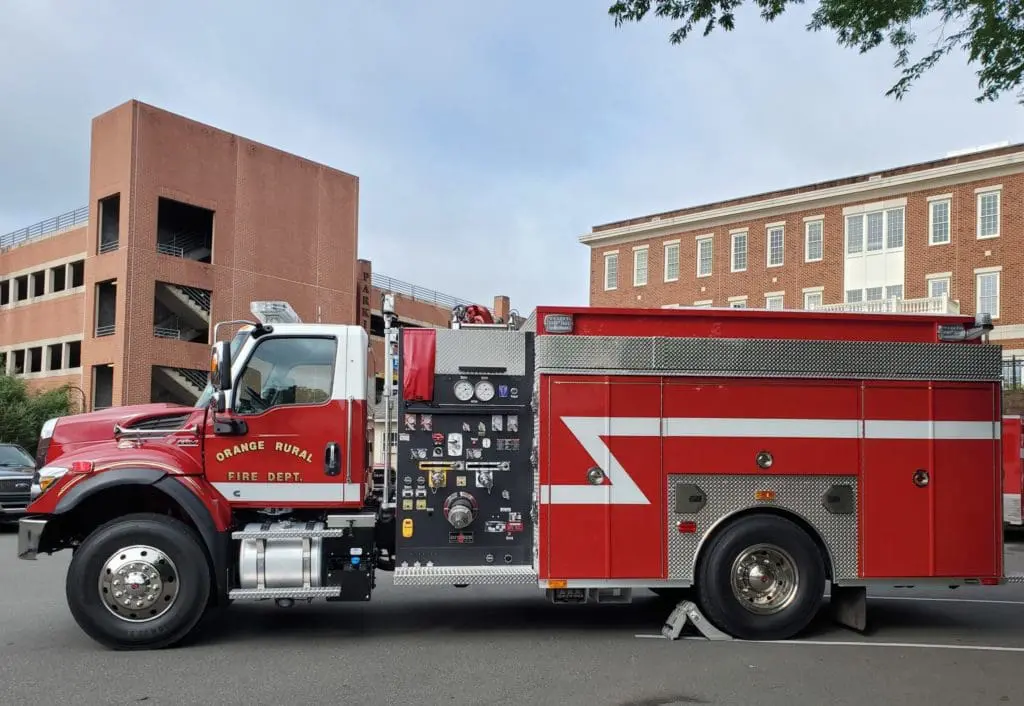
[256, 594]
[447, 575]
[294, 533]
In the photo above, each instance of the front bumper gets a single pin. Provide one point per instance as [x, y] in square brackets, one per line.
[30, 531]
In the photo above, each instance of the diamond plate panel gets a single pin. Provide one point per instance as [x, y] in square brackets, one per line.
[727, 495]
[479, 575]
[483, 348]
[769, 358]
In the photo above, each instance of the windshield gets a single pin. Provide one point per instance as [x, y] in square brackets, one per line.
[236, 344]
[15, 456]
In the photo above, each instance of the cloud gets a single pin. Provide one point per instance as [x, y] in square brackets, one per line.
[487, 137]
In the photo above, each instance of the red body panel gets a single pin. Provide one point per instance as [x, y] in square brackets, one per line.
[751, 323]
[1013, 452]
[286, 447]
[945, 528]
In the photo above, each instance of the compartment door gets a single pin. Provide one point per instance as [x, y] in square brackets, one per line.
[597, 431]
[968, 463]
[897, 482]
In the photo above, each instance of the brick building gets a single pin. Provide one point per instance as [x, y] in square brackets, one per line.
[944, 235]
[185, 226]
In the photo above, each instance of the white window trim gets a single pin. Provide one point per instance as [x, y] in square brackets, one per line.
[664, 253]
[863, 208]
[811, 291]
[979, 193]
[980, 272]
[738, 298]
[615, 285]
[704, 303]
[768, 243]
[745, 232]
[932, 200]
[807, 239]
[637, 249]
[698, 240]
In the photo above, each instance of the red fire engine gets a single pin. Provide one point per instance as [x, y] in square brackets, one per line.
[749, 455]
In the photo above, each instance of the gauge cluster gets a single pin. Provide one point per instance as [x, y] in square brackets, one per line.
[466, 391]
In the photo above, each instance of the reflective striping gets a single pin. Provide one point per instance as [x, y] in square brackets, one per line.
[621, 489]
[290, 492]
[772, 428]
[944, 431]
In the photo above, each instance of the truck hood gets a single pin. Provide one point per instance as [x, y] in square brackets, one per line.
[77, 430]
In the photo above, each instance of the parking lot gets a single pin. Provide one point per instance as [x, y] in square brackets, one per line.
[502, 646]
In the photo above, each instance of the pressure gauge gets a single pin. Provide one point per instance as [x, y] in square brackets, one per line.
[484, 391]
[463, 390]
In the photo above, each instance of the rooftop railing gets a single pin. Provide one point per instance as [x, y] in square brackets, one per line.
[429, 296]
[78, 217]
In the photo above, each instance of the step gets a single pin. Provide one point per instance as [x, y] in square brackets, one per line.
[446, 575]
[295, 533]
[255, 594]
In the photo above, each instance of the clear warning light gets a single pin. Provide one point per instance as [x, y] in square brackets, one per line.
[274, 312]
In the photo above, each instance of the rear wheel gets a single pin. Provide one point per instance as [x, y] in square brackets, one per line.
[139, 582]
[761, 578]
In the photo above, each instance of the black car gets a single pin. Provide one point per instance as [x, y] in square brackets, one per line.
[16, 469]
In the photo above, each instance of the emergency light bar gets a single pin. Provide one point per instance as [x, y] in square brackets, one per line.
[274, 312]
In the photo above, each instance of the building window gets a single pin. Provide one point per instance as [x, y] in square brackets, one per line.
[938, 218]
[873, 294]
[812, 300]
[740, 303]
[773, 301]
[814, 241]
[672, 262]
[875, 232]
[776, 241]
[640, 266]
[894, 291]
[988, 293]
[705, 252]
[739, 252]
[611, 270]
[988, 214]
[938, 287]
[704, 303]
[854, 296]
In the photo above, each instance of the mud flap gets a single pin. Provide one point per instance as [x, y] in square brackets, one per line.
[850, 606]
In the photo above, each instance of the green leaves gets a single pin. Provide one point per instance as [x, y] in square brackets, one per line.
[22, 413]
[989, 32]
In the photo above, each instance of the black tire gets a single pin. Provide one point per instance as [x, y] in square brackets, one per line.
[185, 583]
[729, 613]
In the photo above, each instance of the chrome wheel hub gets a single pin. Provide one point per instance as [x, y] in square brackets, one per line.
[764, 579]
[138, 584]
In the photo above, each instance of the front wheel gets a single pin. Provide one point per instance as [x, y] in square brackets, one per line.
[761, 578]
[139, 582]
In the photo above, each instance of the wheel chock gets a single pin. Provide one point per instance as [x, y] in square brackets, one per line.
[688, 611]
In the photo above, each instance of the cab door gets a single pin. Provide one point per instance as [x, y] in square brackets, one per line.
[288, 439]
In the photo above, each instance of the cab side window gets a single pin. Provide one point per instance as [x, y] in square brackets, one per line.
[287, 371]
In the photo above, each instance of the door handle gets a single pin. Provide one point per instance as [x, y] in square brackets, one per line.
[921, 478]
[332, 459]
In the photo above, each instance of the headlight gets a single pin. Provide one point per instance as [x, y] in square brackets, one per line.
[44, 478]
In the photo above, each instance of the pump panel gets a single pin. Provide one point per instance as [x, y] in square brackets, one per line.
[465, 483]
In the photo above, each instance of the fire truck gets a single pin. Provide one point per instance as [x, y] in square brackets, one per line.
[741, 458]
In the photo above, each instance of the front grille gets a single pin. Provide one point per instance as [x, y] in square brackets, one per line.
[12, 496]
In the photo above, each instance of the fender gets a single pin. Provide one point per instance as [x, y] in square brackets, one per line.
[218, 544]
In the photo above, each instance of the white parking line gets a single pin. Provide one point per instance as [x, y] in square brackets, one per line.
[856, 643]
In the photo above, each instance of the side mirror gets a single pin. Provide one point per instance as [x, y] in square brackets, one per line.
[220, 366]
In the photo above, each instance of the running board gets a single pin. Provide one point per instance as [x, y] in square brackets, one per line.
[688, 611]
[479, 575]
[299, 594]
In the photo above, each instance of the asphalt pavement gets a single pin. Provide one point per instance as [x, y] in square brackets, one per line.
[493, 645]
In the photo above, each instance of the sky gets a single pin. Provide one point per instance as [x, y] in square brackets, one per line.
[487, 136]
